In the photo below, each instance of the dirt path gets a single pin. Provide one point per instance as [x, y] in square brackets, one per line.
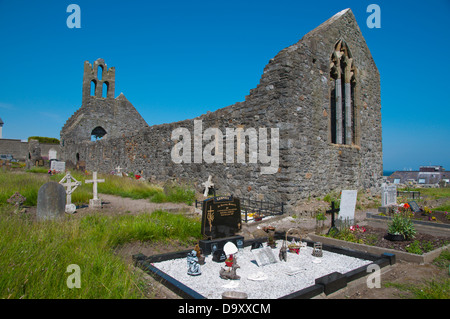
[116, 205]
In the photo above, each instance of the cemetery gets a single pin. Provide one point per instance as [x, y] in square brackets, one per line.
[117, 199]
[263, 257]
[277, 249]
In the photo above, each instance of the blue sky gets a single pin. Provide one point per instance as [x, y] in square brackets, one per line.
[178, 59]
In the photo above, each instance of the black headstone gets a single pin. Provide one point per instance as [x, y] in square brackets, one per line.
[221, 217]
[51, 202]
[414, 207]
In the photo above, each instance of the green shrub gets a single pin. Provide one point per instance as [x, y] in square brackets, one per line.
[402, 225]
[45, 140]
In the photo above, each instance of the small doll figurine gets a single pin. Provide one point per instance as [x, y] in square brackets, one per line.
[193, 265]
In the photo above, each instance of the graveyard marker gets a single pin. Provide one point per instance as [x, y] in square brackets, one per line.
[67, 182]
[332, 211]
[95, 202]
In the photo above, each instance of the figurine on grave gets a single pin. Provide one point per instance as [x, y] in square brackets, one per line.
[283, 252]
[201, 258]
[230, 273]
[193, 265]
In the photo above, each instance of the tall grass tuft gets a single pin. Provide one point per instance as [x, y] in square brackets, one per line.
[28, 185]
[34, 256]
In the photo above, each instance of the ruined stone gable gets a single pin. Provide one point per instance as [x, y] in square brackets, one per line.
[321, 93]
[101, 116]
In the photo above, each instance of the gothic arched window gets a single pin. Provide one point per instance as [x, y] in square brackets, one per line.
[342, 106]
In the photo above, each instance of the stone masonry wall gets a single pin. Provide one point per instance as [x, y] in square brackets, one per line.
[294, 96]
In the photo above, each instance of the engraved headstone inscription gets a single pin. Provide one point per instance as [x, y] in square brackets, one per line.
[221, 217]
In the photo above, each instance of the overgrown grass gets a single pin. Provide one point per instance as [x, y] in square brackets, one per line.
[34, 256]
[431, 289]
[432, 193]
[28, 185]
[158, 226]
[444, 207]
[127, 187]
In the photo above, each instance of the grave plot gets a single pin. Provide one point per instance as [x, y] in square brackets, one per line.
[262, 274]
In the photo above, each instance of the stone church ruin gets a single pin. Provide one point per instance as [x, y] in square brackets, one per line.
[321, 93]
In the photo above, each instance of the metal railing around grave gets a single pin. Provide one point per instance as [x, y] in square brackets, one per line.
[409, 194]
[256, 210]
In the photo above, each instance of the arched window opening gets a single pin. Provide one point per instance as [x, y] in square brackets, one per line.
[342, 97]
[97, 133]
[105, 89]
[93, 87]
[100, 72]
[78, 157]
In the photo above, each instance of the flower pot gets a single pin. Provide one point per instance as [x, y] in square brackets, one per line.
[394, 237]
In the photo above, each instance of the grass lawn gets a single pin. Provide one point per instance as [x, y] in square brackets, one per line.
[35, 256]
[28, 184]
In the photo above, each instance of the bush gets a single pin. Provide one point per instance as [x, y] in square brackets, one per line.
[45, 140]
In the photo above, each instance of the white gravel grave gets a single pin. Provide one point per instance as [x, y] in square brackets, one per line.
[282, 278]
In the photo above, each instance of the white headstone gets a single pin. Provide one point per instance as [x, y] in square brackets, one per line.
[388, 195]
[119, 170]
[95, 202]
[52, 154]
[70, 184]
[348, 204]
[58, 166]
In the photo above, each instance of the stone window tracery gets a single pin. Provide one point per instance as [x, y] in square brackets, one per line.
[343, 78]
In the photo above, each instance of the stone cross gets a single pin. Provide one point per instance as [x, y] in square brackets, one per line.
[95, 202]
[208, 184]
[118, 169]
[17, 200]
[71, 185]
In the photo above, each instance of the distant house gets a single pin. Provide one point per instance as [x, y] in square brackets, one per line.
[426, 175]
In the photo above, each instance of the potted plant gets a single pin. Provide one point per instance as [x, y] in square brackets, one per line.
[400, 228]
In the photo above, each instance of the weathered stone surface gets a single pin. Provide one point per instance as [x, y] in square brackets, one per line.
[51, 202]
[293, 95]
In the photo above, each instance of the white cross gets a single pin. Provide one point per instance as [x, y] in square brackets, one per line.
[69, 184]
[95, 181]
[207, 185]
[118, 168]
